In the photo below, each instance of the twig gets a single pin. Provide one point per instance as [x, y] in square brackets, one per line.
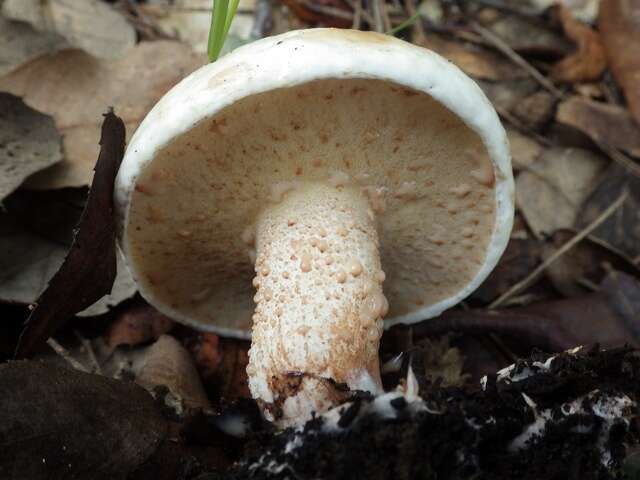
[412, 20]
[356, 6]
[90, 352]
[588, 284]
[517, 59]
[522, 300]
[618, 157]
[378, 24]
[357, 15]
[506, 115]
[420, 34]
[64, 353]
[533, 276]
[500, 345]
[386, 21]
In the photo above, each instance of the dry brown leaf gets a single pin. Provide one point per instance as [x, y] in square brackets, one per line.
[551, 192]
[29, 142]
[520, 257]
[21, 43]
[473, 60]
[222, 363]
[619, 23]
[535, 111]
[606, 123]
[308, 15]
[589, 61]
[91, 25]
[167, 363]
[622, 229]
[60, 423]
[507, 94]
[76, 89]
[529, 36]
[587, 263]
[524, 150]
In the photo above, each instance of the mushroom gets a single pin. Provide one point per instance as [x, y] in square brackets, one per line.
[304, 164]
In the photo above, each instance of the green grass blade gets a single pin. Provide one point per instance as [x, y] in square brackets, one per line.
[233, 7]
[217, 32]
[407, 23]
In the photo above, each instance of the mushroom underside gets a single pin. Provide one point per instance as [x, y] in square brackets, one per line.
[426, 175]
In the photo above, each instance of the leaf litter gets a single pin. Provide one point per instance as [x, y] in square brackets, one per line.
[76, 89]
[90, 25]
[22, 43]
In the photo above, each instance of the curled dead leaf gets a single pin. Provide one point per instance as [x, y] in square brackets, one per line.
[89, 269]
[589, 61]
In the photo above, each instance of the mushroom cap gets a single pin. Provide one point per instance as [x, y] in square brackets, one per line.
[401, 122]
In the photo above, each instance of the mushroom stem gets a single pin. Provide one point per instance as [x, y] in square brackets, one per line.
[319, 305]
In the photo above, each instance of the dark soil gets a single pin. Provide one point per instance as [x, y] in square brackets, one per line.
[471, 435]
